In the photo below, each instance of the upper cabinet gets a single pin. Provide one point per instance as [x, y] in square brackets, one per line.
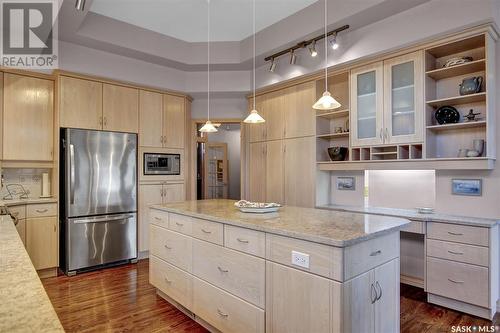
[80, 103]
[300, 118]
[387, 102]
[150, 119]
[120, 108]
[174, 121]
[28, 118]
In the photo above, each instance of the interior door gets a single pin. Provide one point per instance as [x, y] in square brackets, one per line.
[149, 194]
[215, 167]
[403, 86]
[150, 119]
[274, 171]
[367, 105]
[174, 121]
[300, 174]
[257, 172]
[120, 109]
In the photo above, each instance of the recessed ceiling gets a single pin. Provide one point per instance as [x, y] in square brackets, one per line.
[231, 20]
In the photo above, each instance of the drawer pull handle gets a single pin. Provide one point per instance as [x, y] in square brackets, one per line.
[454, 281]
[16, 214]
[222, 270]
[167, 280]
[380, 294]
[168, 247]
[375, 253]
[241, 240]
[222, 314]
[179, 224]
[206, 231]
[373, 298]
[157, 218]
[42, 210]
[457, 253]
[455, 233]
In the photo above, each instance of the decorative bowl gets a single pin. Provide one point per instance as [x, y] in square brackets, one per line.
[447, 115]
[257, 207]
[337, 153]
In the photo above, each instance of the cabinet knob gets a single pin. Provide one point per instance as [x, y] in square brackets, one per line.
[375, 253]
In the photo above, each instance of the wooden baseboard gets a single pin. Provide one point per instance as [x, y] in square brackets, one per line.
[412, 281]
[46, 273]
[461, 306]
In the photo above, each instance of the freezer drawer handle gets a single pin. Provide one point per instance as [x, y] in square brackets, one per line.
[106, 219]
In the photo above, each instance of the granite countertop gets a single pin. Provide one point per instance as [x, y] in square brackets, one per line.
[16, 202]
[24, 304]
[415, 216]
[328, 227]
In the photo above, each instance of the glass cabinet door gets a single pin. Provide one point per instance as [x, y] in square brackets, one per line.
[367, 107]
[403, 119]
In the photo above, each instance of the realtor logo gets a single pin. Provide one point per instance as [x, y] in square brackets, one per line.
[29, 34]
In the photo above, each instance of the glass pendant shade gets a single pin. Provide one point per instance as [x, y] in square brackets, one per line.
[208, 127]
[326, 102]
[254, 118]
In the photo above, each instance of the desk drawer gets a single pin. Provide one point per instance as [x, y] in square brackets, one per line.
[463, 282]
[469, 254]
[240, 274]
[41, 210]
[245, 240]
[181, 223]
[458, 233]
[415, 227]
[159, 218]
[212, 232]
[18, 212]
[224, 311]
[174, 282]
[172, 247]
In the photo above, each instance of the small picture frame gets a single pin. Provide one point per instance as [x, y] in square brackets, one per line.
[468, 187]
[346, 183]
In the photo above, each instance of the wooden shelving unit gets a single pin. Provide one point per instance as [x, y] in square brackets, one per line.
[333, 114]
[446, 72]
[333, 135]
[455, 100]
[446, 127]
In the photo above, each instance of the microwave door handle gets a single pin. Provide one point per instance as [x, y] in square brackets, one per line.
[72, 174]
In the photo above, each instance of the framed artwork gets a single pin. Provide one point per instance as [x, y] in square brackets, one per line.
[469, 187]
[346, 183]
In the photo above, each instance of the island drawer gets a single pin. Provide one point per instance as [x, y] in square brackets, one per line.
[174, 282]
[224, 311]
[470, 254]
[245, 240]
[159, 218]
[463, 282]
[324, 260]
[208, 231]
[41, 210]
[181, 223]
[18, 212]
[238, 273]
[362, 257]
[458, 233]
[172, 247]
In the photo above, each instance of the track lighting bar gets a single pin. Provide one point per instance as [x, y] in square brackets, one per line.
[306, 43]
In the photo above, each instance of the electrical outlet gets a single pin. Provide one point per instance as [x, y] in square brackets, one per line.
[300, 259]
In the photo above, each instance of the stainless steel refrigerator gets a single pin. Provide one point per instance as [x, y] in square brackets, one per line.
[98, 210]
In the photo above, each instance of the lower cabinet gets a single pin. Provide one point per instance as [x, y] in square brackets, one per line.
[42, 240]
[21, 229]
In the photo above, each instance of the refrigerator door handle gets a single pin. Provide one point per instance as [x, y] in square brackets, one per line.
[72, 174]
[105, 219]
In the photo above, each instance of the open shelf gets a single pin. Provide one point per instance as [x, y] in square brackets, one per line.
[446, 72]
[334, 114]
[333, 135]
[446, 127]
[465, 99]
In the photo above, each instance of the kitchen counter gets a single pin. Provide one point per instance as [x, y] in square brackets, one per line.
[328, 227]
[414, 215]
[16, 202]
[24, 304]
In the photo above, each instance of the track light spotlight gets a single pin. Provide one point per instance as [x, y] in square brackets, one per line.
[293, 58]
[80, 5]
[273, 65]
[312, 49]
[334, 43]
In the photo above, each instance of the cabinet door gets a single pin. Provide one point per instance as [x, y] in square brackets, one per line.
[80, 103]
[257, 172]
[274, 115]
[300, 175]
[174, 121]
[28, 118]
[120, 109]
[42, 241]
[297, 301]
[387, 306]
[257, 132]
[173, 193]
[359, 296]
[404, 101]
[367, 105]
[150, 119]
[149, 194]
[300, 118]
[274, 171]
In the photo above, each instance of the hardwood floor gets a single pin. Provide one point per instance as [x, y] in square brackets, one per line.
[122, 300]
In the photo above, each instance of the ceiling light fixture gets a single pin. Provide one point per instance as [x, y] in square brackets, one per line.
[80, 5]
[293, 58]
[333, 42]
[326, 102]
[273, 65]
[208, 127]
[254, 117]
[312, 49]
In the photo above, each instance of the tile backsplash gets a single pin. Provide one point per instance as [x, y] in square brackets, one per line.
[30, 179]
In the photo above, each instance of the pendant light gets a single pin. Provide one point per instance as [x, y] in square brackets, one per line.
[208, 127]
[254, 117]
[326, 102]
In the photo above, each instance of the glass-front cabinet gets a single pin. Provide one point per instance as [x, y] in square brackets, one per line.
[387, 102]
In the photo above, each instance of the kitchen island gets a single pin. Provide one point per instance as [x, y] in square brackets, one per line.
[297, 270]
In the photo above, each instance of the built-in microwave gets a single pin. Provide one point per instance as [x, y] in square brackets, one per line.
[162, 164]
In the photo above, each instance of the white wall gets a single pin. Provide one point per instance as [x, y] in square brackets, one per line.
[222, 108]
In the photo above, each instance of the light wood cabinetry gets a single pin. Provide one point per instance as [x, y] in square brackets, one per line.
[174, 121]
[299, 179]
[28, 116]
[299, 116]
[80, 103]
[150, 119]
[256, 172]
[274, 171]
[274, 114]
[42, 241]
[120, 108]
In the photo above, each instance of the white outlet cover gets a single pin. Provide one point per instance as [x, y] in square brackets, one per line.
[300, 259]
